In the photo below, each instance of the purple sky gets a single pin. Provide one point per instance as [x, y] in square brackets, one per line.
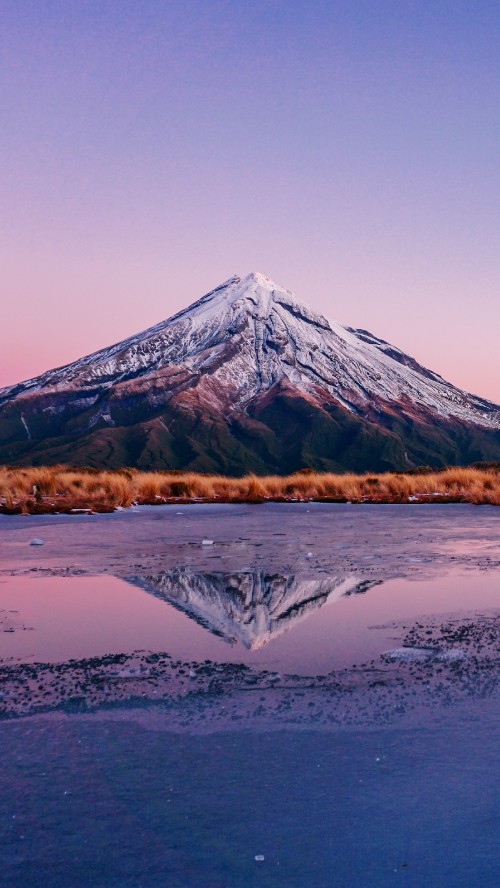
[349, 150]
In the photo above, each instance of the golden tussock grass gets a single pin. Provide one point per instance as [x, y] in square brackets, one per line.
[61, 488]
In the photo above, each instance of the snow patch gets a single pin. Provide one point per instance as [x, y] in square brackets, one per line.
[25, 424]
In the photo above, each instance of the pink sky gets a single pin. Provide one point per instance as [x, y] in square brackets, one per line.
[150, 152]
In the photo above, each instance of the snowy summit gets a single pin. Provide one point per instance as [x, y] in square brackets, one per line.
[247, 377]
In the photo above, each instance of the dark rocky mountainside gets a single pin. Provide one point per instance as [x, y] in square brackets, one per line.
[246, 379]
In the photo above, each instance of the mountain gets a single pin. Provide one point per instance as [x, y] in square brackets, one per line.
[247, 379]
[249, 607]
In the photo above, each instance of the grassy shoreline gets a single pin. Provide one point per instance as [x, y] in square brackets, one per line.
[63, 489]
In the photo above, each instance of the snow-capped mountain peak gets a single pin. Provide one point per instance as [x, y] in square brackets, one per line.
[227, 358]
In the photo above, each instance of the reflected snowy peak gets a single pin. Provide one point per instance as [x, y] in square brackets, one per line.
[249, 607]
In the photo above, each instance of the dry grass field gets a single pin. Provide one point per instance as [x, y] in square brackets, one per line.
[66, 489]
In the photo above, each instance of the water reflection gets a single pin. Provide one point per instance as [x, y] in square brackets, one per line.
[249, 607]
[264, 619]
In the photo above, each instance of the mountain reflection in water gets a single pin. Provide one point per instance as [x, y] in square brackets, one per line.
[249, 607]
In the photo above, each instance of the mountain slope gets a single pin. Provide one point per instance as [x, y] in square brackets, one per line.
[246, 379]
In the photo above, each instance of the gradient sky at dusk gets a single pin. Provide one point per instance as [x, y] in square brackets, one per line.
[349, 149]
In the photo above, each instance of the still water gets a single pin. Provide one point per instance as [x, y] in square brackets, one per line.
[295, 623]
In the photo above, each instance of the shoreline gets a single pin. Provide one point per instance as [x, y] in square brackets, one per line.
[75, 490]
[77, 508]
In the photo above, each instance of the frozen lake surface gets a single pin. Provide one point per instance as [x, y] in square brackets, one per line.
[318, 688]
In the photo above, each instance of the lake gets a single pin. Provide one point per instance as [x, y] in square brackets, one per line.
[284, 694]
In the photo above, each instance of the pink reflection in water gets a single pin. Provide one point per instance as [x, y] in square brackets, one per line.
[78, 617]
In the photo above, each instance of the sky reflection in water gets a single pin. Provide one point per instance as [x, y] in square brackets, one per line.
[305, 623]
